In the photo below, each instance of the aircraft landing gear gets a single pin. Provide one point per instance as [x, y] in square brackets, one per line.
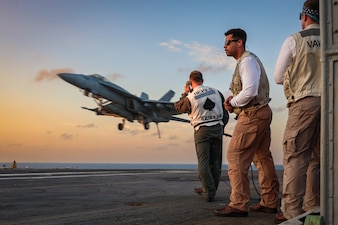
[146, 126]
[121, 125]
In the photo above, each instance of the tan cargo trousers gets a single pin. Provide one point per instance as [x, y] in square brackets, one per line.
[250, 142]
[301, 159]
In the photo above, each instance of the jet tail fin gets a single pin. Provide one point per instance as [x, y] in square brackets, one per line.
[167, 96]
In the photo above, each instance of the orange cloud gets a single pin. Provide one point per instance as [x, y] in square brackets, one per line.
[90, 125]
[66, 136]
[51, 74]
[115, 76]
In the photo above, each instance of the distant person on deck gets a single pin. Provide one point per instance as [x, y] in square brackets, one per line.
[14, 165]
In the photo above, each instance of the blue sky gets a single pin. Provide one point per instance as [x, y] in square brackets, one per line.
[149, 46]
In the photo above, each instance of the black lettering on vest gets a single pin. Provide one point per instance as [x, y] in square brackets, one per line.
[314, 43]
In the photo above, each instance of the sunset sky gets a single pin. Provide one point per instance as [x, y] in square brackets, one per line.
[150, 46]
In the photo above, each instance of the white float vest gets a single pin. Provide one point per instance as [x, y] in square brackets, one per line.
[206, 107]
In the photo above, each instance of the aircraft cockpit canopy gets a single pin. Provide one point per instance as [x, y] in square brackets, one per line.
[100, 77]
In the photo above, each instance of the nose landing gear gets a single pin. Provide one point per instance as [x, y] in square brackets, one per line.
[121, 125]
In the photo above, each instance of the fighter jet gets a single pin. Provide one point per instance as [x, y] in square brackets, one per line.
[113, 100]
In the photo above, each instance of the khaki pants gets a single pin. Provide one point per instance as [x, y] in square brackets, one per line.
[301, 159]
[250, 142]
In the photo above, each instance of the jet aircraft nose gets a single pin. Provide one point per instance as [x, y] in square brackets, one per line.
[74, 79]
[67, 76]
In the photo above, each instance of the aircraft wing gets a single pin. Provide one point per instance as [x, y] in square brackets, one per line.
[109, 110]
[179, 119]
[162, 107]
[115, 88]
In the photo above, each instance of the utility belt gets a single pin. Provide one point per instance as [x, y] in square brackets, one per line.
[238, 110]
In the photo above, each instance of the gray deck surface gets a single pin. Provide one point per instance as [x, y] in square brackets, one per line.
[121, 197]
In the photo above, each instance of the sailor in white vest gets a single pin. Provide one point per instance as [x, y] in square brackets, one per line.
[204, 106]
[251, 137]
[298, 69]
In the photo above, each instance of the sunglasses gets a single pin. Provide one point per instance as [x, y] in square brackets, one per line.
[300, 16]
[229, 41]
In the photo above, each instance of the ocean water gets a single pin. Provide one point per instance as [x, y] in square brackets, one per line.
[117, 166]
